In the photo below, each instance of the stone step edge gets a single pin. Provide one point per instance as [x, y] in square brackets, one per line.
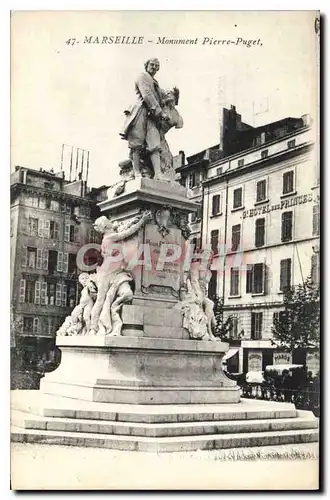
[170, 439]
[161, 430]
[170, 444]
[152, 417]
[174, 425]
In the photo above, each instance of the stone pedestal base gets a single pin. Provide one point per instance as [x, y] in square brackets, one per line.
[140, 370]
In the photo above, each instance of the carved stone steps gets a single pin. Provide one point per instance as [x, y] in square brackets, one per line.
[164, 444]
[37, 403]
[158, 430]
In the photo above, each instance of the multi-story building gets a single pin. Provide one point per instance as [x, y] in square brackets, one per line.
[51, 219]
[260, 215]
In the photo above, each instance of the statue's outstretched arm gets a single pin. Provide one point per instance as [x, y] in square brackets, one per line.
[126, 233]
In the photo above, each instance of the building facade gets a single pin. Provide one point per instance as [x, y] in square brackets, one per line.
[51, 219]
[260, 215]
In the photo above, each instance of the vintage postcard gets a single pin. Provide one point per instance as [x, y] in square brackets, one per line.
[165, 254]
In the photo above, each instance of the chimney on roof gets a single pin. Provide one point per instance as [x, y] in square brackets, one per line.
[307, 120]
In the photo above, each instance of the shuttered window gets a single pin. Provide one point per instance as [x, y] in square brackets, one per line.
[37, 291]
[45, 257]
[256, 325]
[22, 285]
[285, 274]
[260, 232]
[238, 198]
[215, 240]
[261, 190]
[44, 296]
[286, 229]
[288, 182]
[64, 295]
[234, 281]
[59, 261]
[235, 237]
[216, 204]
[58, 294]
[316, 220]
[315, 274]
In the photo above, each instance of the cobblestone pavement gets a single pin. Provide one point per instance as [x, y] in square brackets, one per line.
[47, 467]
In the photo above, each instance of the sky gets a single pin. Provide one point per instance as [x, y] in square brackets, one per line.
[76, 94]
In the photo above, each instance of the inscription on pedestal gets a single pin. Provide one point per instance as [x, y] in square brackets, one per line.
[164, 275]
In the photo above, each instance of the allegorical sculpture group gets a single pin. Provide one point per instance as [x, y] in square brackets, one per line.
[104, 292]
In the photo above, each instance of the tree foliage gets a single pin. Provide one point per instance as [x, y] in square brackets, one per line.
[298, 325]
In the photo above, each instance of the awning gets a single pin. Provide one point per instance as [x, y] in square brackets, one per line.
[230, 353]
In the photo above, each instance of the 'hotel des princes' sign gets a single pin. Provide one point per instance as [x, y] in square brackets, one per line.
[287, 203]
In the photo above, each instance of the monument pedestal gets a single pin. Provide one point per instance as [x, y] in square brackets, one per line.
[141, 370]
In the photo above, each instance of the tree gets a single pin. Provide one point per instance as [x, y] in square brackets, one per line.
[298, 325]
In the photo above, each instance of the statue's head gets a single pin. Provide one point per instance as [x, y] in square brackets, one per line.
[169, 98]
[102, 224]
[83, 278]
[152, 66]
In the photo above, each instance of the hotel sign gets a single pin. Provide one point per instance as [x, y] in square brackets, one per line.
[287, 203]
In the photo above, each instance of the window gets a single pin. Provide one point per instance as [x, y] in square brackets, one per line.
[51, 325]
[256, 326]
[288, 182]
[238, 198]
[28, 325]
[264, 153]
[315, 271]
[37, 292]
[261, 190]
[216, 204]
[285, 274]
[240, 162]
[94, 236]
[72, 295]
[213, 283]
[54, 230]
[195, 242]
[33, 226]
[44, 296]
[287, 218]
[29, 292]
[55, 205]
[234, 327]
[278, 316]
[59, 262]
[291, 144]
[235, 237]
[316, 220]
[255, 278]
[260, 232]
[58, 297]
[31, 257]
[234, 281]
[68, 209]
[219, 170]
[194, 179]
[215, 240]
[64, 295]
[51, 291]
[249, 278]
[42, 202]
[71, 233]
